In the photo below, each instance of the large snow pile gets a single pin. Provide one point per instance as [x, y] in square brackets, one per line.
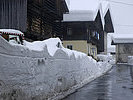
[31, 73]
[53, 44]
[106, 58]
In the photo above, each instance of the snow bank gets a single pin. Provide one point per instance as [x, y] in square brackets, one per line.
[39, 45]
[28, 73]
[52, 44]
[106, 58]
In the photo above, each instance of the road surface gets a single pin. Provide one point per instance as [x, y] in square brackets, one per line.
[117, 84]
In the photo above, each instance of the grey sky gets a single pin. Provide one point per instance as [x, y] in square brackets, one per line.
[122, 13]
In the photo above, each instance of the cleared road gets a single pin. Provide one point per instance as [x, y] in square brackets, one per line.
[115, 85]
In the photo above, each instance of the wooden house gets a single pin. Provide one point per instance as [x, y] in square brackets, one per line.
[38, 19]
[86, 31]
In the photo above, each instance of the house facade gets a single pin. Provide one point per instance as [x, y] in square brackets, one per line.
[124, 47]
[86, 31]
[38, 19]
[82, 34]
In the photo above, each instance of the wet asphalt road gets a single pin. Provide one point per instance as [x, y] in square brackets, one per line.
[117, 84]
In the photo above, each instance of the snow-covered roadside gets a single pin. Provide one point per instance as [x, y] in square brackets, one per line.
[106, 58]
[53, 44]
[38, 71]
[104, 68]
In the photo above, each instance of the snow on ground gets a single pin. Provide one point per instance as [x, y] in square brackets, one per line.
[39, 45]
[32, 73]
[106, 58]
[53, 44]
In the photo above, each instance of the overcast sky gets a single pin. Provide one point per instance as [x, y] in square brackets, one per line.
[123, 16]
[122, 12]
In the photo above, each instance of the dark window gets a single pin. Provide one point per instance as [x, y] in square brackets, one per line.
[93, 34]
[69, 31]
[70, 47]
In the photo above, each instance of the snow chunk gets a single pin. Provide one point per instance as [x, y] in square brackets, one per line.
[53, 44]
[76, 53]
[39, 45]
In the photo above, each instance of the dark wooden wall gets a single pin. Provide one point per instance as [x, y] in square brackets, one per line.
[44, 19]
[84, 31]
[38, 19]
[78, 31]
[13, 14]
[99, 27]
[109, 28]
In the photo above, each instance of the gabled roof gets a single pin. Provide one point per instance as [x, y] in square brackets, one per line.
[65, 6]
[83, 15]
[68, 3]
[108, 19]
[79, 15]
[89, 12]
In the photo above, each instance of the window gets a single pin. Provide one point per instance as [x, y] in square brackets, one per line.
[69, 31]
[88, 49]
[93, 51]
[70, 47]
[98, 36]
[93, 34]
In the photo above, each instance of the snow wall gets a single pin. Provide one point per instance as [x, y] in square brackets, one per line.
[35, 75]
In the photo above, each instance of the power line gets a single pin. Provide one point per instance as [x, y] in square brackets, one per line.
[123, 25]
[130, 4]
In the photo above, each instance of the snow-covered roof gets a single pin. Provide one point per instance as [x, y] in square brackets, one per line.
[83, 15]
[87, 12]
[68, 3]
[11, 31]
[79, 15]
[122, 38]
